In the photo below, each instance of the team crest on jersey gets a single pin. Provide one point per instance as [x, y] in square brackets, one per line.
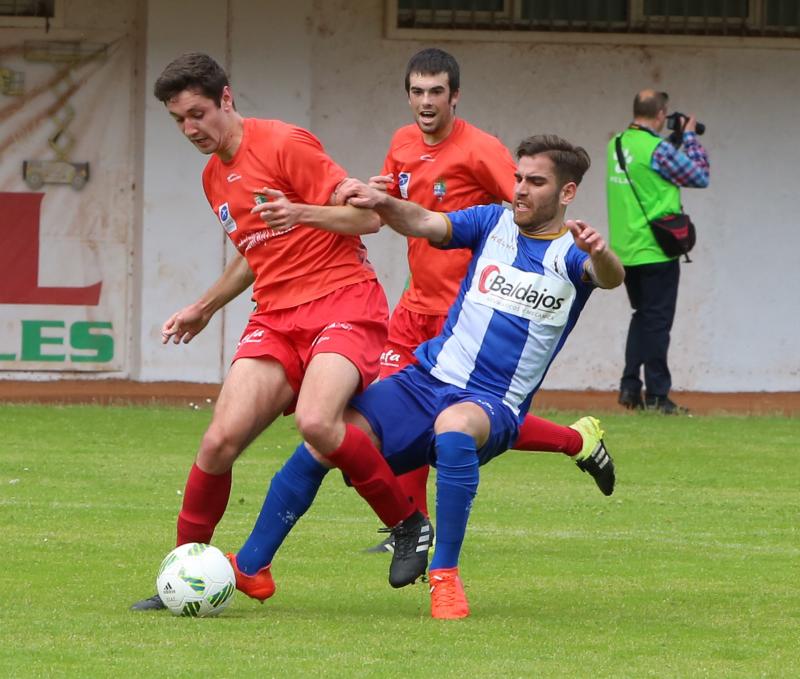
[403, 180]
[439, 188]
[532, 296]
[225, 218]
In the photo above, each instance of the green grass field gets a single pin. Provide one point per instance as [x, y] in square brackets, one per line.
[689, 570]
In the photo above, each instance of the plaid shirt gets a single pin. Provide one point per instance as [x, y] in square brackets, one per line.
[682, 168]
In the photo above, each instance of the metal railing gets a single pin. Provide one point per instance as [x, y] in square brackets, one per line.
[762, 18]
[42, 9]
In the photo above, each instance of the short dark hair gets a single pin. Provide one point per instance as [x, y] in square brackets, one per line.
[432, 61]
[571, 161]
[648, 104]
[191, 71]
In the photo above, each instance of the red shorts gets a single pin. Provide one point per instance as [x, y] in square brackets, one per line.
[407, 330]
[350, 321]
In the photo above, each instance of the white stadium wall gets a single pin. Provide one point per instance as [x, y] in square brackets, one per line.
[328, 66]
[737, 309]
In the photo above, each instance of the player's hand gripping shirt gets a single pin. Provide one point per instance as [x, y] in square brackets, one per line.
[518, 303]
[302, 263]
[469, 167]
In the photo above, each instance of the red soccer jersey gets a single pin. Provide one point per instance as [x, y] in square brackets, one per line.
[469, 167]
[303, 263]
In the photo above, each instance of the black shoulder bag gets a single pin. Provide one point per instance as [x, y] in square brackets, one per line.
[674, 233]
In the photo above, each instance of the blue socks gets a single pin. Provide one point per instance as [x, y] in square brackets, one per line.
[291, 492]
[456, 486]
[295, 486]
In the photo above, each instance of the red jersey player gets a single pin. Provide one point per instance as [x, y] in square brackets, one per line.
[320, 321]
[443, 163]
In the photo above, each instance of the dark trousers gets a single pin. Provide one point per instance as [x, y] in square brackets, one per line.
[653, 294]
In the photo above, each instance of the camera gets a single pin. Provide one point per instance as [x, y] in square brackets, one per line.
[676, 122]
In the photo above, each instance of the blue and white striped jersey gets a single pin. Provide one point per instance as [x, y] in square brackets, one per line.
[516, 306]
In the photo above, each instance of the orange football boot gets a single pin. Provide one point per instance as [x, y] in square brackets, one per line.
[448, 600]
[260, 586]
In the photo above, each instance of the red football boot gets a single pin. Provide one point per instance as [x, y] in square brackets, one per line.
[260, 586]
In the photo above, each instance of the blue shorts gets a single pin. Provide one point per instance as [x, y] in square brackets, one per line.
[402, 408]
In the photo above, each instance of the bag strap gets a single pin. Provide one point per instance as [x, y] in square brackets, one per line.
[621, 162]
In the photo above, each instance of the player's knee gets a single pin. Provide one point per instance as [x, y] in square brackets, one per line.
[470, 420]
[321, 432]
[218, 449]
[452, 421]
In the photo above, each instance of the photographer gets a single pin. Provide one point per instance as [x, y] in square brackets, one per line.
[657, 168]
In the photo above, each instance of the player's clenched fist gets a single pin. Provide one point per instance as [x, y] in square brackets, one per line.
[359, 194]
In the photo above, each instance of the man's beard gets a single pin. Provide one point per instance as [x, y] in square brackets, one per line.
[540, 216]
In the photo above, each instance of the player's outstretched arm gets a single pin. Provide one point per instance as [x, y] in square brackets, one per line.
[280, 214]
[183, 325]
[405, 217]
[603, 267]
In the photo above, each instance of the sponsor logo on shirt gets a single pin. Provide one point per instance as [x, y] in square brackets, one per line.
[532, 296]
[502, 242]
[427, 157]
[260, 237]
[403, 180]
[228, 223]
[439, 188]
[233, 177]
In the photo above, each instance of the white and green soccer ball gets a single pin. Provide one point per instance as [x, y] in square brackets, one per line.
[195, 580]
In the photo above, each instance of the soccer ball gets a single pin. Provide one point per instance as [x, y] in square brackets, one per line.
[195, 580]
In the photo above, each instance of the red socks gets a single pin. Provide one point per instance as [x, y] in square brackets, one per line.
[204, 502]
[543, 435]
[415, 486]
[371, 476]
[206, 496]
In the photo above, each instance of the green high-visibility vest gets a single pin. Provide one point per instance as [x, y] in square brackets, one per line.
[630, 234]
